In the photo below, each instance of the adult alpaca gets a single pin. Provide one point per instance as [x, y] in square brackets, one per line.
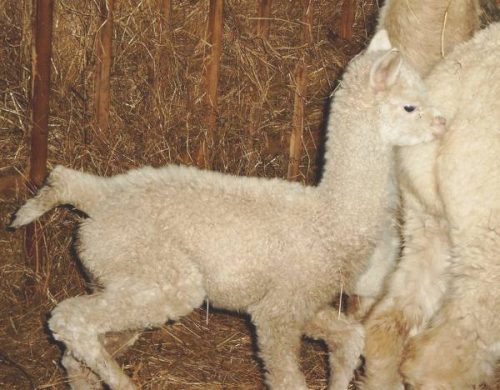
[424, 31]
[444, 295]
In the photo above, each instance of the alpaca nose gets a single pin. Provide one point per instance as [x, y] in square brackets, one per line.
[438, 125]
[439, 121]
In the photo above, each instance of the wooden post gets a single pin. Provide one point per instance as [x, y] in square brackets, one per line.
[103, 67]
[212, 69]
[165, 9]
[161, 71]
[298, 104]
[347, 18]
[263, 23]
[262, 28]
[40, 107]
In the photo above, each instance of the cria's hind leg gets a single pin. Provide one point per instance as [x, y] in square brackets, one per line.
[116, 343]
[81, 322]
[79, 377]
[345, 339]
[82, 378]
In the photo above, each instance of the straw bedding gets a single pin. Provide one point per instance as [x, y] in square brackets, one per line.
[157, 116]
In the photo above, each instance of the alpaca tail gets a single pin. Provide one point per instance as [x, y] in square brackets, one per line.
[63, 186]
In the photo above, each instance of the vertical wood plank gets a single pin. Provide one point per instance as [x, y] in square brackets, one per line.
[103, 67]
[295, 151]
[41, 84]
[263, 15]
[347, 19]
[42, 52]
[212, 70]
[262, 28]
[165, 9]
[161, 71]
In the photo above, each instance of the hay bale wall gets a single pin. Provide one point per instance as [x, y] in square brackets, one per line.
[157, 110]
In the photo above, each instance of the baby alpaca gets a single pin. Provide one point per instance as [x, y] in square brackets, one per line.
[161, 241]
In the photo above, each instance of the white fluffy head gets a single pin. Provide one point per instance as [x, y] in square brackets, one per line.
[405, 115]
[380, 87]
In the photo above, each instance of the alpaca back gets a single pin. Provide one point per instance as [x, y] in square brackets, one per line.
[427, 30]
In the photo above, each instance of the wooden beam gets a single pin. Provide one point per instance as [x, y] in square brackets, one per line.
[41, 87]
[161, 71]
[297, 122]
[212, 70]
[347, 18]
[104, 57]
[263, 21]
[295, 151]
[42, 35]
[165, 10]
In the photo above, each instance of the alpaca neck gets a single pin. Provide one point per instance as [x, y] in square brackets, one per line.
[357, 182]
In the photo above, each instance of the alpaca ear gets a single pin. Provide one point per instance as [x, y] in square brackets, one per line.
[380, 41]
[385, 71]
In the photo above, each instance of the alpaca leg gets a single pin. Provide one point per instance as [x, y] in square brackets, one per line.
[279, 335]
[449, 355]
[279, 349]
[382, 262]
[79, 376]
[117, 343]
[344, 337]
[81, 322]
[461, 347]
[78, 323]
[359, 306]
[414, 293]
[82, 378]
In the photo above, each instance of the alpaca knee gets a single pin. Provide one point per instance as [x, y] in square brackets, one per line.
[69, 323]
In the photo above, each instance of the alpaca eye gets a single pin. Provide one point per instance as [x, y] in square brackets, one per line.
[409, 108]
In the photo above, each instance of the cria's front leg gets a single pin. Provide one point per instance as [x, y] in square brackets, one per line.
[279, 349]
[278, 338]
[382, 262]
[344, 337]
[414, 293]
